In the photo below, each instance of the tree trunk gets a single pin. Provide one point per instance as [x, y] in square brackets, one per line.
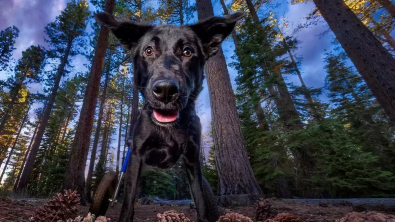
[79, 152]
[135, 104]
[282, 97]
[388, 38]
[181, 12]
[260, 114]
[120, 131]
[44, 121]
[287, 112]
[67, 124]
[389, 6]
[258, 108]
[234, 170]
[135, 108]
[9, 107]
[252, 10]
[14, 145]
[101, 164]
[97, 132]
[306, 91]
[372, 60]
[135, 92]
[26, 155]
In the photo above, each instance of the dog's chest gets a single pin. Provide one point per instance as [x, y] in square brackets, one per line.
[163, 150]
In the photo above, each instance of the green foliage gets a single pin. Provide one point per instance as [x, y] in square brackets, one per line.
[211, 174]
[7, 42]
[31, 63]
[53, 156]
[65, 30]
[27, 71]
[350, 151]
[157, 183]
[343, 168]
[355, 106]
[16, 115]
[175, 11]
[15, 163]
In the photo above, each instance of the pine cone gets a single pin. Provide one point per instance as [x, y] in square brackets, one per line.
[234, 217]
[102, 219]
[172, 216]
[60, 208]
[89, 218]
[285, 217]
[264, 210]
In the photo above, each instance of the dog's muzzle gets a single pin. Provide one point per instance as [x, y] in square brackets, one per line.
[165, 91]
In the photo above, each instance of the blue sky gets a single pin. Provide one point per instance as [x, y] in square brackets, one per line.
[31, 16]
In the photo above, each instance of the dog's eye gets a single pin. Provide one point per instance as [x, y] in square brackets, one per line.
[149, 51]
[187, 52]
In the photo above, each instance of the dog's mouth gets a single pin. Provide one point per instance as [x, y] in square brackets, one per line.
[165, 116]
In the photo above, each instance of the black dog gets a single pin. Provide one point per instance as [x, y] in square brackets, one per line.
[168, 63]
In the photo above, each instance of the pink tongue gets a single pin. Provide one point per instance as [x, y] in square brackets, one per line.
[165, 118]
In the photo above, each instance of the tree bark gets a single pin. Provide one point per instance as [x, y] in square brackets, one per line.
[97, 132]
[14, 145]
[24, 180]
[79, 152]
[372, 60]
[234, 170]
[389, 6]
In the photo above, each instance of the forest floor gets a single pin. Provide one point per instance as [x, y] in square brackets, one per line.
[21, 209]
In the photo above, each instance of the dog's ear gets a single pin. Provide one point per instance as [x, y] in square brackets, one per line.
[128, 33]
[214, 30]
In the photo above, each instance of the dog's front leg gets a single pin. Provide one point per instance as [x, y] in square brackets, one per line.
[205, 201]
[132, 177]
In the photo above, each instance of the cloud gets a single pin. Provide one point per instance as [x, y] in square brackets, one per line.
[30, 17]
[312, 47]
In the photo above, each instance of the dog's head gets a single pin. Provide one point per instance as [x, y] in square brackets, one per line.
[169, 60]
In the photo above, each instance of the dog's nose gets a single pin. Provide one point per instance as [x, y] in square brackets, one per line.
[165, 90]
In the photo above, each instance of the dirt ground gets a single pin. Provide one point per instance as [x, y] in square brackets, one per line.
[21, 210]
